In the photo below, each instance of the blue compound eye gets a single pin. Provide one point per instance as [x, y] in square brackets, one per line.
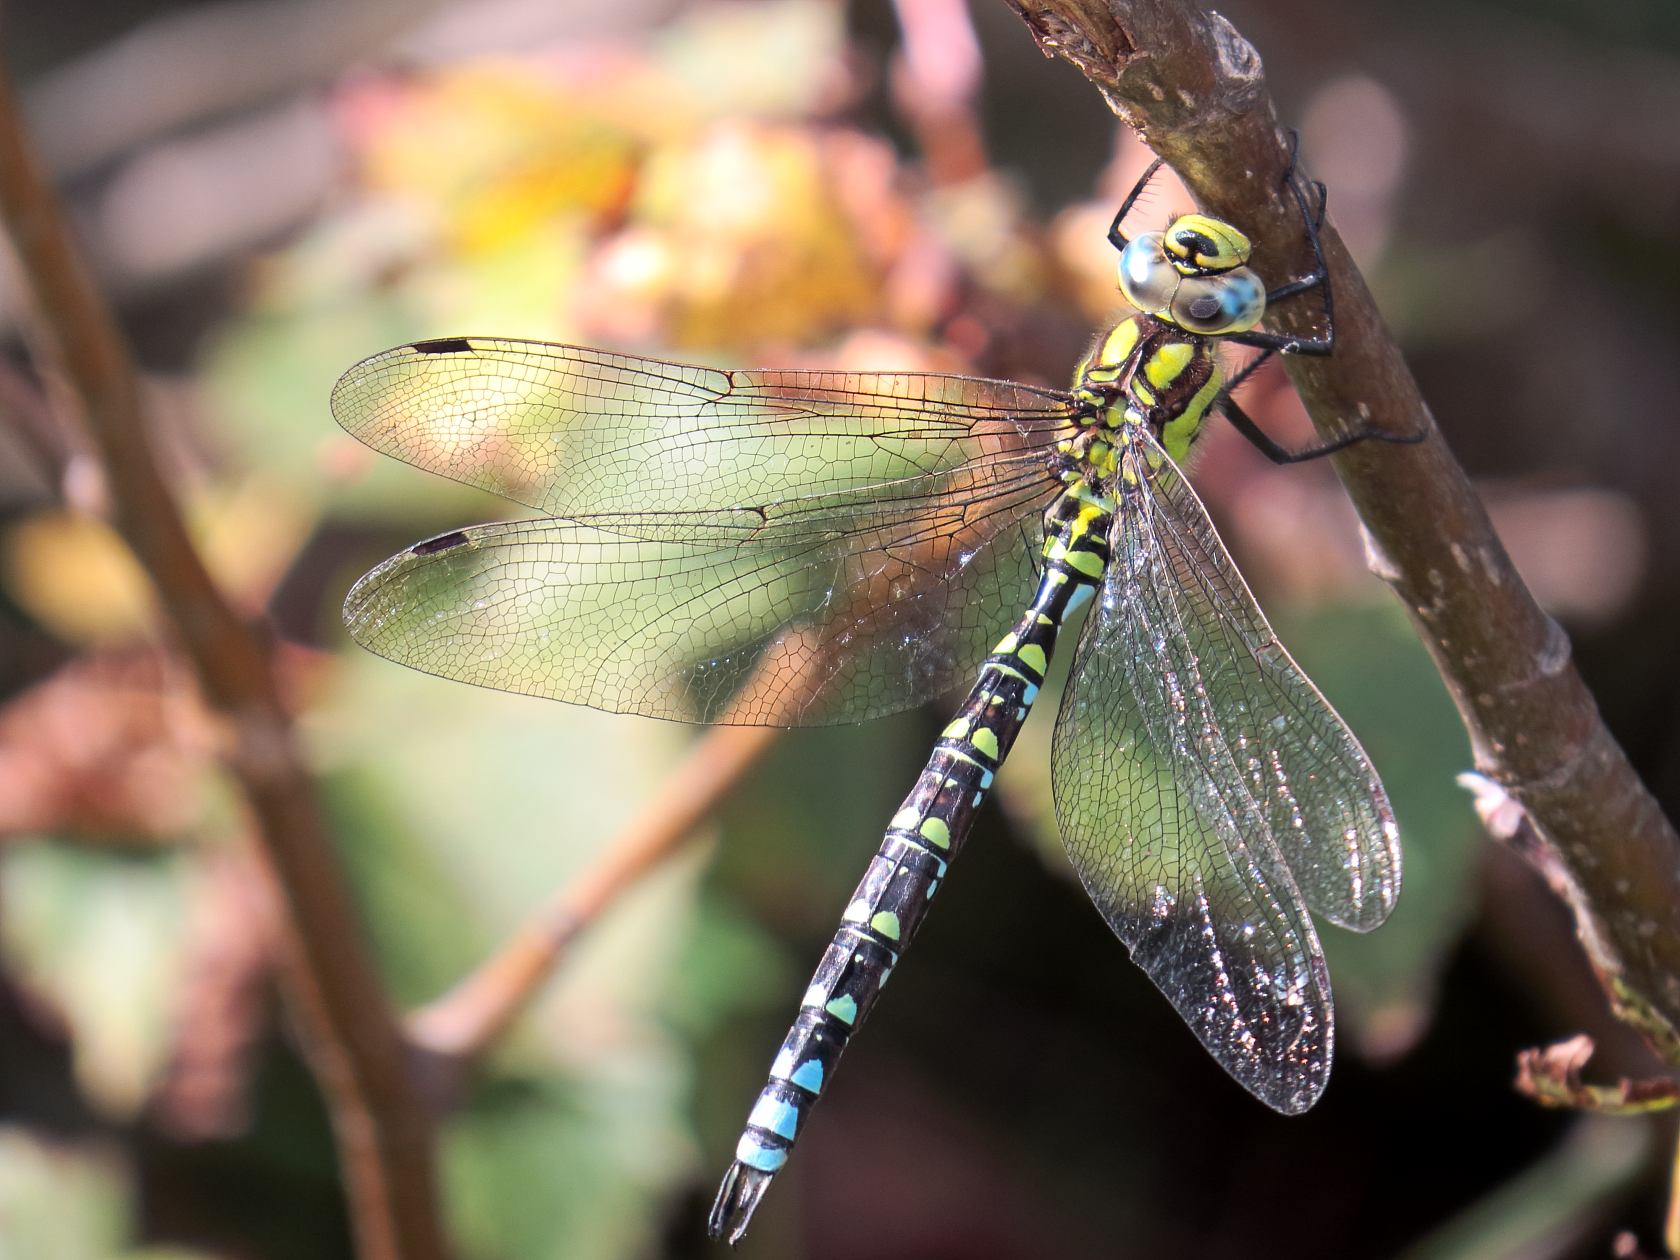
[1216, 305]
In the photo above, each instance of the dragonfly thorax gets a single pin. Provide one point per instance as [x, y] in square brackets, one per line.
[1148, 372]
[1194, 276]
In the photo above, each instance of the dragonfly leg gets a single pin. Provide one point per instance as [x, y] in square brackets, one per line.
[1247, 370]
[1318, 278]
[1116, 237]
[1257, 437]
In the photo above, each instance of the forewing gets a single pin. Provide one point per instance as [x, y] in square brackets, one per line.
[572, 431]
[765, 548]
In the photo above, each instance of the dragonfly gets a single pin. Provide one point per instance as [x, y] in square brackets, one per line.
[800, 548]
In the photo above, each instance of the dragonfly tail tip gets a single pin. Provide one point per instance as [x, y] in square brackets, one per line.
[737, 1198]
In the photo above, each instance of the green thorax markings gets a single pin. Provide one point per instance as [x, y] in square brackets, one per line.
[1147, 372]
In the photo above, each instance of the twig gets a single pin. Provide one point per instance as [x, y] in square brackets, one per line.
[354, 1044]
[1671, 1218]
[458, 1026]
[1551, 1075]
[785, 683]
[1193, 88]
[461, 1024]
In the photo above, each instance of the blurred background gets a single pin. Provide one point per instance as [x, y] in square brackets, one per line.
[271, 191]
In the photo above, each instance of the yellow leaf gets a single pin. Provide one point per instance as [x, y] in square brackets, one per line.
[76, 577]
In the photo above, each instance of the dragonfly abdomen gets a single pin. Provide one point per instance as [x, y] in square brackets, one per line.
[923, 837]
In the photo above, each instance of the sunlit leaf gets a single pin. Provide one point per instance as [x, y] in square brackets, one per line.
[99, 938]
[76, 577]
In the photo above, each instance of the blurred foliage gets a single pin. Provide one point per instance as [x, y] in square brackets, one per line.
[744, 184]
[106, 939]
[64, 1203]
[1385, 980]
[74, 576]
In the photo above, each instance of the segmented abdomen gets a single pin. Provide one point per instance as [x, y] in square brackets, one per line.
[921, 840]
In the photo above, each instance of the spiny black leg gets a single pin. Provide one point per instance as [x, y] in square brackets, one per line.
[1282, 343]
[1244, 424]
[1313, 222]
[1317, 185]
[1294, 151]
[1116, 237]
[1318, 278]
[1247, 370]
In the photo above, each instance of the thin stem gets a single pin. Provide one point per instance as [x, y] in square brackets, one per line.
[788, 680]
[1194, 89]
[461, 1024]
[1671, 1218]
[353, 1043]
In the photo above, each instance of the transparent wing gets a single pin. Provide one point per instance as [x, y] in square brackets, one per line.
[782, 548]
[1327, 810]
[572, 431]
[1206, 791]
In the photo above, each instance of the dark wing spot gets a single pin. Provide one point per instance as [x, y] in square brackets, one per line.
[443, 345]
[443, 542]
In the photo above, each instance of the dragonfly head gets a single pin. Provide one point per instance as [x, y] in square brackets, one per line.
[1195, 275]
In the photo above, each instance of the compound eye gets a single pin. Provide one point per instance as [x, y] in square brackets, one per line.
[1221, 304]
[1147, 278]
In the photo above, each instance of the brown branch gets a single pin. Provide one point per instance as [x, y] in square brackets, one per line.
[791, 677]
[467, 1020]
[461, 1024]
[1193, 88]
[354, 1044]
